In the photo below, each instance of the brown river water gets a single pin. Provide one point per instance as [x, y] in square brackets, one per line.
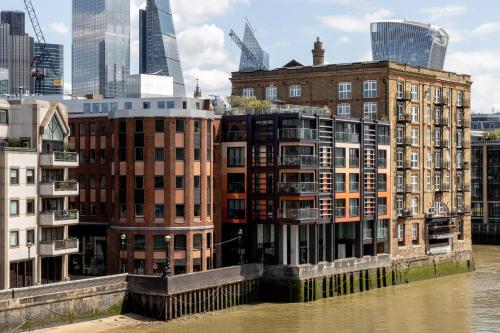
[461, 303]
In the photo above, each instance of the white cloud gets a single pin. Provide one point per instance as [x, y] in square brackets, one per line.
[212, 82]
[343, 40]
[190, 12]
[487, 28]
[350, 23]
[202, 45]
[59, 27]
[436, 13]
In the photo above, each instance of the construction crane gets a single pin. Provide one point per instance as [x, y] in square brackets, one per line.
[248, 53]
[40, 61]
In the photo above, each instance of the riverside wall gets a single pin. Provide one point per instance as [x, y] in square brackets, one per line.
[201, 292]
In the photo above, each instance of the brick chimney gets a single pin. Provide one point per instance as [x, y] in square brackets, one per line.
[318, 53]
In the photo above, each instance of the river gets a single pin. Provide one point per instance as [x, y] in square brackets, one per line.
[461, 303]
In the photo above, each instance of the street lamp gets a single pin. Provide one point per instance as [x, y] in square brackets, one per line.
[166, 271]
[29, 245]
[123, 243]
[240, 244]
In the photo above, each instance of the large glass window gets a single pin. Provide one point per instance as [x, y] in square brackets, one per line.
[345, 90]
[370, 110]
[370, 89]
[235, 156]
[235, 182]
[340, 157]
[344, 110]
[296, 90]
[271, 93]
[248, 92]
[139, 242]
[235, 209]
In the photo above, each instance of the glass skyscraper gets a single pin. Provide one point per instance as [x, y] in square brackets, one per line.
[261, 57]
[407, 42]
[158, 44]
[101, 47]
[53, 82]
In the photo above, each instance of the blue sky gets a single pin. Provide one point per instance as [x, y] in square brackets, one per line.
[287, 29]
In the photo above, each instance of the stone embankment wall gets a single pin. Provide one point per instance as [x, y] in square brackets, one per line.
[177, 296]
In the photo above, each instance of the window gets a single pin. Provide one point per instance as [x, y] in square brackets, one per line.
[235, 209]
[414, 182]
[14, 207]
[159, 126]
[139, 210]
[271, 93]
[460, 98]
[197, 154]
[414, 159]
[139, 242]
[82, 129]
[93, 129]
[414, 92]
[414, 205]
[170, 104]
[159, 182]
[401, 235]
[14, 176]
[235, 183]
[179, 182]
[370, 89]
[339, 182]
[353, 207]
[146, 105]
[197, 242]
[295, 90]
[4, 119]
[139, 266]
[340, 207]
[180, 242]
[414, 234]
[139, 126]
[179, 154]
[437, 96]
[197, 125]
[159, 243]
[139, 182]
[428, 182]
[345, 90]
[179, 126]
[159, 154]
[353, 157]
[30, 206]
[370, 110]
[382, 159]
[414, 136]
[400, 90]
[30, 236]
[14, 238]
[344, 110]
[179, 210]
[159, 211]
[340, 157]
[248, 92]
[382, 182]
[353, 182]
[197, 182]
[139, 153]
[127, 105]
[414, 114]
[235, 157]
[196, 209]
[382, 206]
[161, 104]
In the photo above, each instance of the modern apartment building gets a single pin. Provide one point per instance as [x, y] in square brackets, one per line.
[485, 121]
[35, 192]
[53, 59]
[408, 42]
[303, 185]
[158, 52]
[16, 52]
[101, 47]
[146, 172]
[428, 112]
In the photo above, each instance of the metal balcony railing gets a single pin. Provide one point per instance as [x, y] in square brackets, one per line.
[347, 137]
[299, 214]
[297, 187]
[298, 134]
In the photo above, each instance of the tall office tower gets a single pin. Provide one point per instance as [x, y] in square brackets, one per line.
[158, 44]
[4, 81]
[52, 85]
[407, 42]
[16, 52]
[260, 57]
[101, 47]
[35, 191]
[16, 21]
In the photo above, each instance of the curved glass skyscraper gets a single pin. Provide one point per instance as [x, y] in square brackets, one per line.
[407, 42]
[158, 44]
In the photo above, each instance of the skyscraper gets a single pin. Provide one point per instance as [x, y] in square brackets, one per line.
[101, 47]
[158, 44]
[260, 57]
[407, 42]
[16, 52]
[52, 85]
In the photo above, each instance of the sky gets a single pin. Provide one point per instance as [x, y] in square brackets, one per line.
[288, 28]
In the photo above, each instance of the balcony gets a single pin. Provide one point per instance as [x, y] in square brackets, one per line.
[300, 214]
[235, 136]
[298, 160]
[59, 160]
[297, 187]
[347, 137]
[405, 165]
[404, 214]
[463, 187]
[437, 210]
[403, 118]
[406, 141]
[58, 247]
[463, 209]
[463, 104]
[443, 100]
[297, 134]
[442, 122]
[463, 123]
[463, 166]
[59, 188]
[445, 143]
[445, 165]
[59, 218]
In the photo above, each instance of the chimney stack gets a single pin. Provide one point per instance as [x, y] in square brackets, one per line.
[318, 53]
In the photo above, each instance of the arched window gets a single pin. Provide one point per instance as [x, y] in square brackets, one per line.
[53, 131]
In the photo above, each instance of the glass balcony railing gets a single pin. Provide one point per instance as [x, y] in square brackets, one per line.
[299, 214]
[298, 134]
[347, 137]
[235, 136]
[63, 186]
[64, 215]
[65, 156]
[297, 187]
[298, 160]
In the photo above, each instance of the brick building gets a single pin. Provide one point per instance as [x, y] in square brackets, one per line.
[428, 112]
[146, 172]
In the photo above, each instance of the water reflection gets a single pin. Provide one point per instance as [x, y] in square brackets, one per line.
[460, 303]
